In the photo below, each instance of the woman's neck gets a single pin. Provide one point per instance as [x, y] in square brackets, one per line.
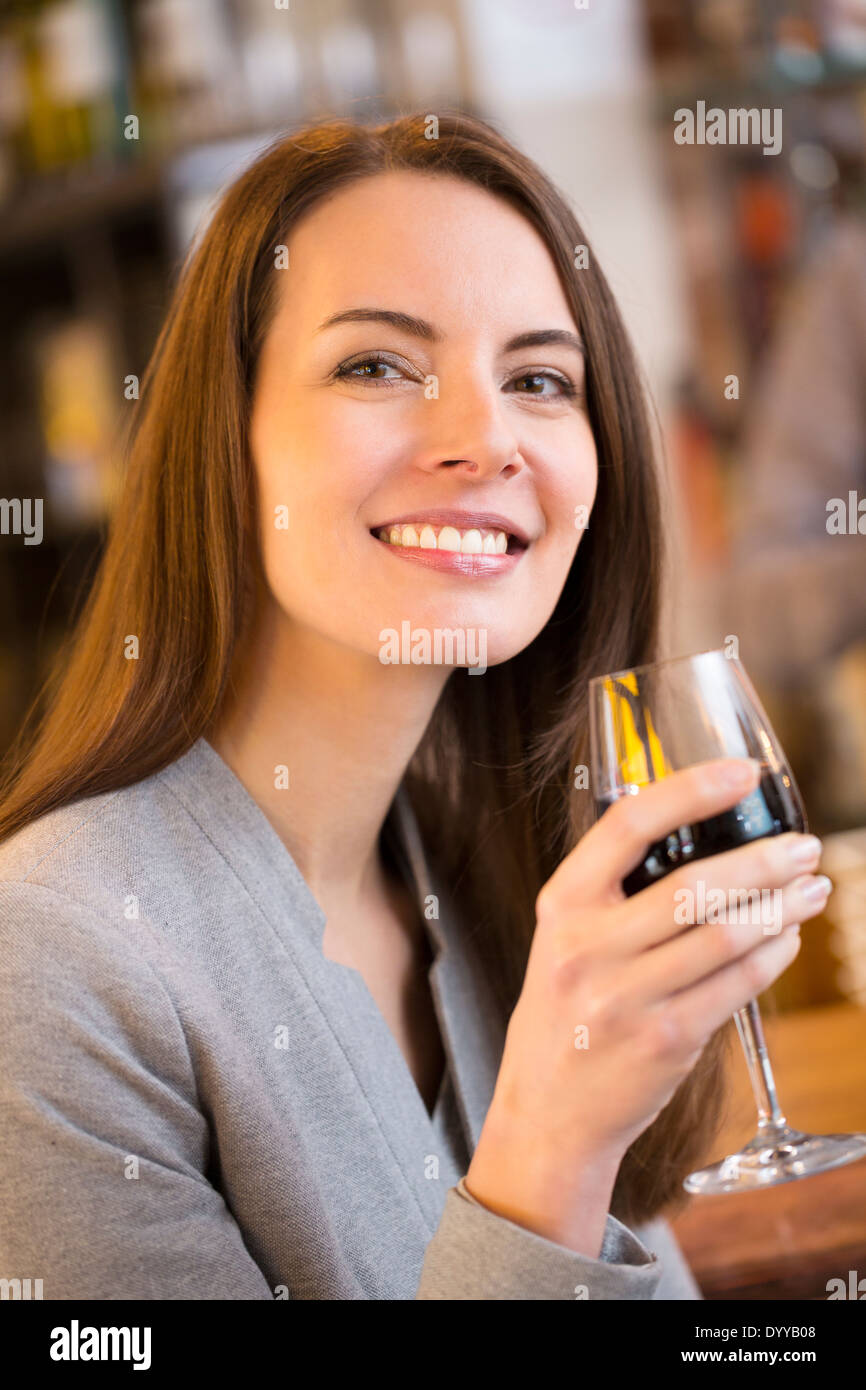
[320, 736]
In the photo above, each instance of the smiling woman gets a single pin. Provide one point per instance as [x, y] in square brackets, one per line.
[386, 394]
[374, 413]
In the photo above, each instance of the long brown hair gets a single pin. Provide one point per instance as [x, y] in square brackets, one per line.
[492, 781]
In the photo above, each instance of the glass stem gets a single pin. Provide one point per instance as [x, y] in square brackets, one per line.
[750, 1029]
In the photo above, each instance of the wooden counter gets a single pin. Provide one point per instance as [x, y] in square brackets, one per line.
[787, 1241]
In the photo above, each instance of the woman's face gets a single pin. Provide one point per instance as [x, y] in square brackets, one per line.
[420, 393]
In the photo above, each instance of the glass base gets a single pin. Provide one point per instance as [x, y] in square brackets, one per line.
[777, 1154]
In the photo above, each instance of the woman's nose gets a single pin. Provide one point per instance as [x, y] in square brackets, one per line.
[467, 431]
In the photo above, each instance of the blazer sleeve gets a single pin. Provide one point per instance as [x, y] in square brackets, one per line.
[477, 1254]
[103, 1148]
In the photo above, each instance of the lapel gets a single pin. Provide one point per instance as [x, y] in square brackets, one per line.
[362, 1045]
[473, 1032]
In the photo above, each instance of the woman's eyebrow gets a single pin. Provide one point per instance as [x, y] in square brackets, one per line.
[420, 328]
[545, 337]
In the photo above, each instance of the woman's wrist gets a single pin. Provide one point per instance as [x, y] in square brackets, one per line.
[566, 1201]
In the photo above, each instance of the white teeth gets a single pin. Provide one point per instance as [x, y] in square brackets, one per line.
[473, 541]
[449, 538]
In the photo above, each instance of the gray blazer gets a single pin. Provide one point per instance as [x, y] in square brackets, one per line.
[197, 1104]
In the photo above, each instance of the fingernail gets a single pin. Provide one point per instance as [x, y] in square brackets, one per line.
[738, 773]
[804, 851]
[816, 889]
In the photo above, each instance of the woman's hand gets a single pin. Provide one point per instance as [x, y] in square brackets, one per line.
[620, 998]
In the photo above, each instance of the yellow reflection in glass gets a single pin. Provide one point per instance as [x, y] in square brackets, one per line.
[642, 758]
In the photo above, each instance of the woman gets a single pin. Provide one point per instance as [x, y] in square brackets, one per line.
[387, 397]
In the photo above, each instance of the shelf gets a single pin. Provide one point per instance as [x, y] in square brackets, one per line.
[48, 212]
[759, 76]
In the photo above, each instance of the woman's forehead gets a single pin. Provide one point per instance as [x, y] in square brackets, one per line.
[426, 244]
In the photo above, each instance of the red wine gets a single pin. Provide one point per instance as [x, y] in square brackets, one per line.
[771, 809]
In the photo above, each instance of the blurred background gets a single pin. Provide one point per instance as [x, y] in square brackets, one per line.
[741, 276]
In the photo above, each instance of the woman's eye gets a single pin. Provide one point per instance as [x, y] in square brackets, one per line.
[544, 385]
[535, 382]
[369, 369]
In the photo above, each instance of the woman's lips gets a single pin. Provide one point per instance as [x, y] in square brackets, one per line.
[448, 527]
[453, 561]
[471, 550]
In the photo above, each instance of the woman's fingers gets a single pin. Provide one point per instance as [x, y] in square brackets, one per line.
[701, 950]
[619, 840]
[689, 1018]
[745, 879]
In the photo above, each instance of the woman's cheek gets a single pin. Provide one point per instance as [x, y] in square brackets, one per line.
[357, 445]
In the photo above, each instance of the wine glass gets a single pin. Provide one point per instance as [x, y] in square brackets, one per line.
[653, 720]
